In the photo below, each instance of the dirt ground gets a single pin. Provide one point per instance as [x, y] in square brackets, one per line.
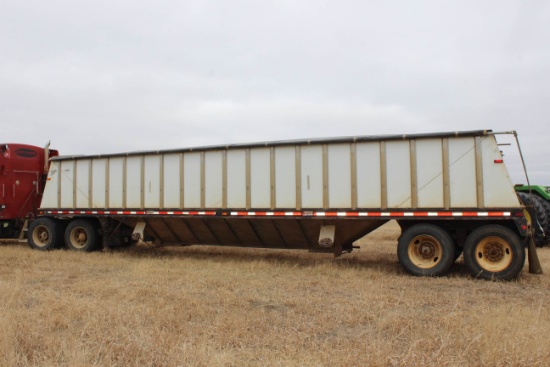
[213, 306]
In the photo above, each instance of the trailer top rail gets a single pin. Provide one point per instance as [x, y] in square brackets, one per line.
[313, 141]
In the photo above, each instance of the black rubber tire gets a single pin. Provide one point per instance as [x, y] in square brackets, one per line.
[539, 217]
[494, 252]
[545, 212]
[426, 250]
[44, 234]
[82, 235]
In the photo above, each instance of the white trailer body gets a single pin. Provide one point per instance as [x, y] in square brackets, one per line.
[320, 195]
[462, 172]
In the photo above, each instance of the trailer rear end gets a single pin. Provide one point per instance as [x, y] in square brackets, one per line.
[450, 193]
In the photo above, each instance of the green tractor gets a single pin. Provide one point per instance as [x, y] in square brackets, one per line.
[537, 200]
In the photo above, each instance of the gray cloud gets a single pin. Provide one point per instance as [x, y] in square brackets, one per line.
[104, 77]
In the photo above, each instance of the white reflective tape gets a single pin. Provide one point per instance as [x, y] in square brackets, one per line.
[433, 214]
[482, 214]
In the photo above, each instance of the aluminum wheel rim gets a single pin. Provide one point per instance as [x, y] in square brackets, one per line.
[79, 238]
[425, 251]
[494, 254]
[41, 236]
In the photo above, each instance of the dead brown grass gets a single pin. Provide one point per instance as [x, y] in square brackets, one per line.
[208, 306]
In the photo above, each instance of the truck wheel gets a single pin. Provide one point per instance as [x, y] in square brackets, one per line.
[494, 252]
[426, 250]
[81, 235]
[44, 234]
[537, 212]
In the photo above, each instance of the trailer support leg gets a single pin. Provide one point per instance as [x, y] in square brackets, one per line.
[534, 263]
[326, 236]
[138, 233]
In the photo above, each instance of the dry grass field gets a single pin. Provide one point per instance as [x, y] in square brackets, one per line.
[211, 306]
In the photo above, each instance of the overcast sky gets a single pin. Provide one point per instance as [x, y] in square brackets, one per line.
[112, 76]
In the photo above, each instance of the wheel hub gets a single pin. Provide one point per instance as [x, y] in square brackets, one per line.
[493, 252]
[43, 236]
[426, 250]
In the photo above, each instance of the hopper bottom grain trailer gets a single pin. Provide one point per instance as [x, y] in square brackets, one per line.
[449, 192]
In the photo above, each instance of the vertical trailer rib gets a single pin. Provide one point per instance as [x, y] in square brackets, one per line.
[74, 184]
[353, 167]
[383, 176]
[272, 179]
[479, 173]
[224, 179]
[298, 178]
[414, 174]
[182, 181]
[446, 173]
[202, 179]
[161, 182]
[248, 180]
[124, 181]
[325, 177]
[107, 183]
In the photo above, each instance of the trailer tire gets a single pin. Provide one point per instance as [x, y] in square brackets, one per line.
[82, 235]
[44, 234]
[426, 250]
[494, 252]
[538, 214]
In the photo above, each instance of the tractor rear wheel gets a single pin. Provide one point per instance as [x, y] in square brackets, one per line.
[539, 217]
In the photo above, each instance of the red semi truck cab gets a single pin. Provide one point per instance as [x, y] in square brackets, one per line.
[22, 172]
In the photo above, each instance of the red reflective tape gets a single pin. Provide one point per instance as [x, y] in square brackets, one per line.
[420, 214]
[293, 214]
